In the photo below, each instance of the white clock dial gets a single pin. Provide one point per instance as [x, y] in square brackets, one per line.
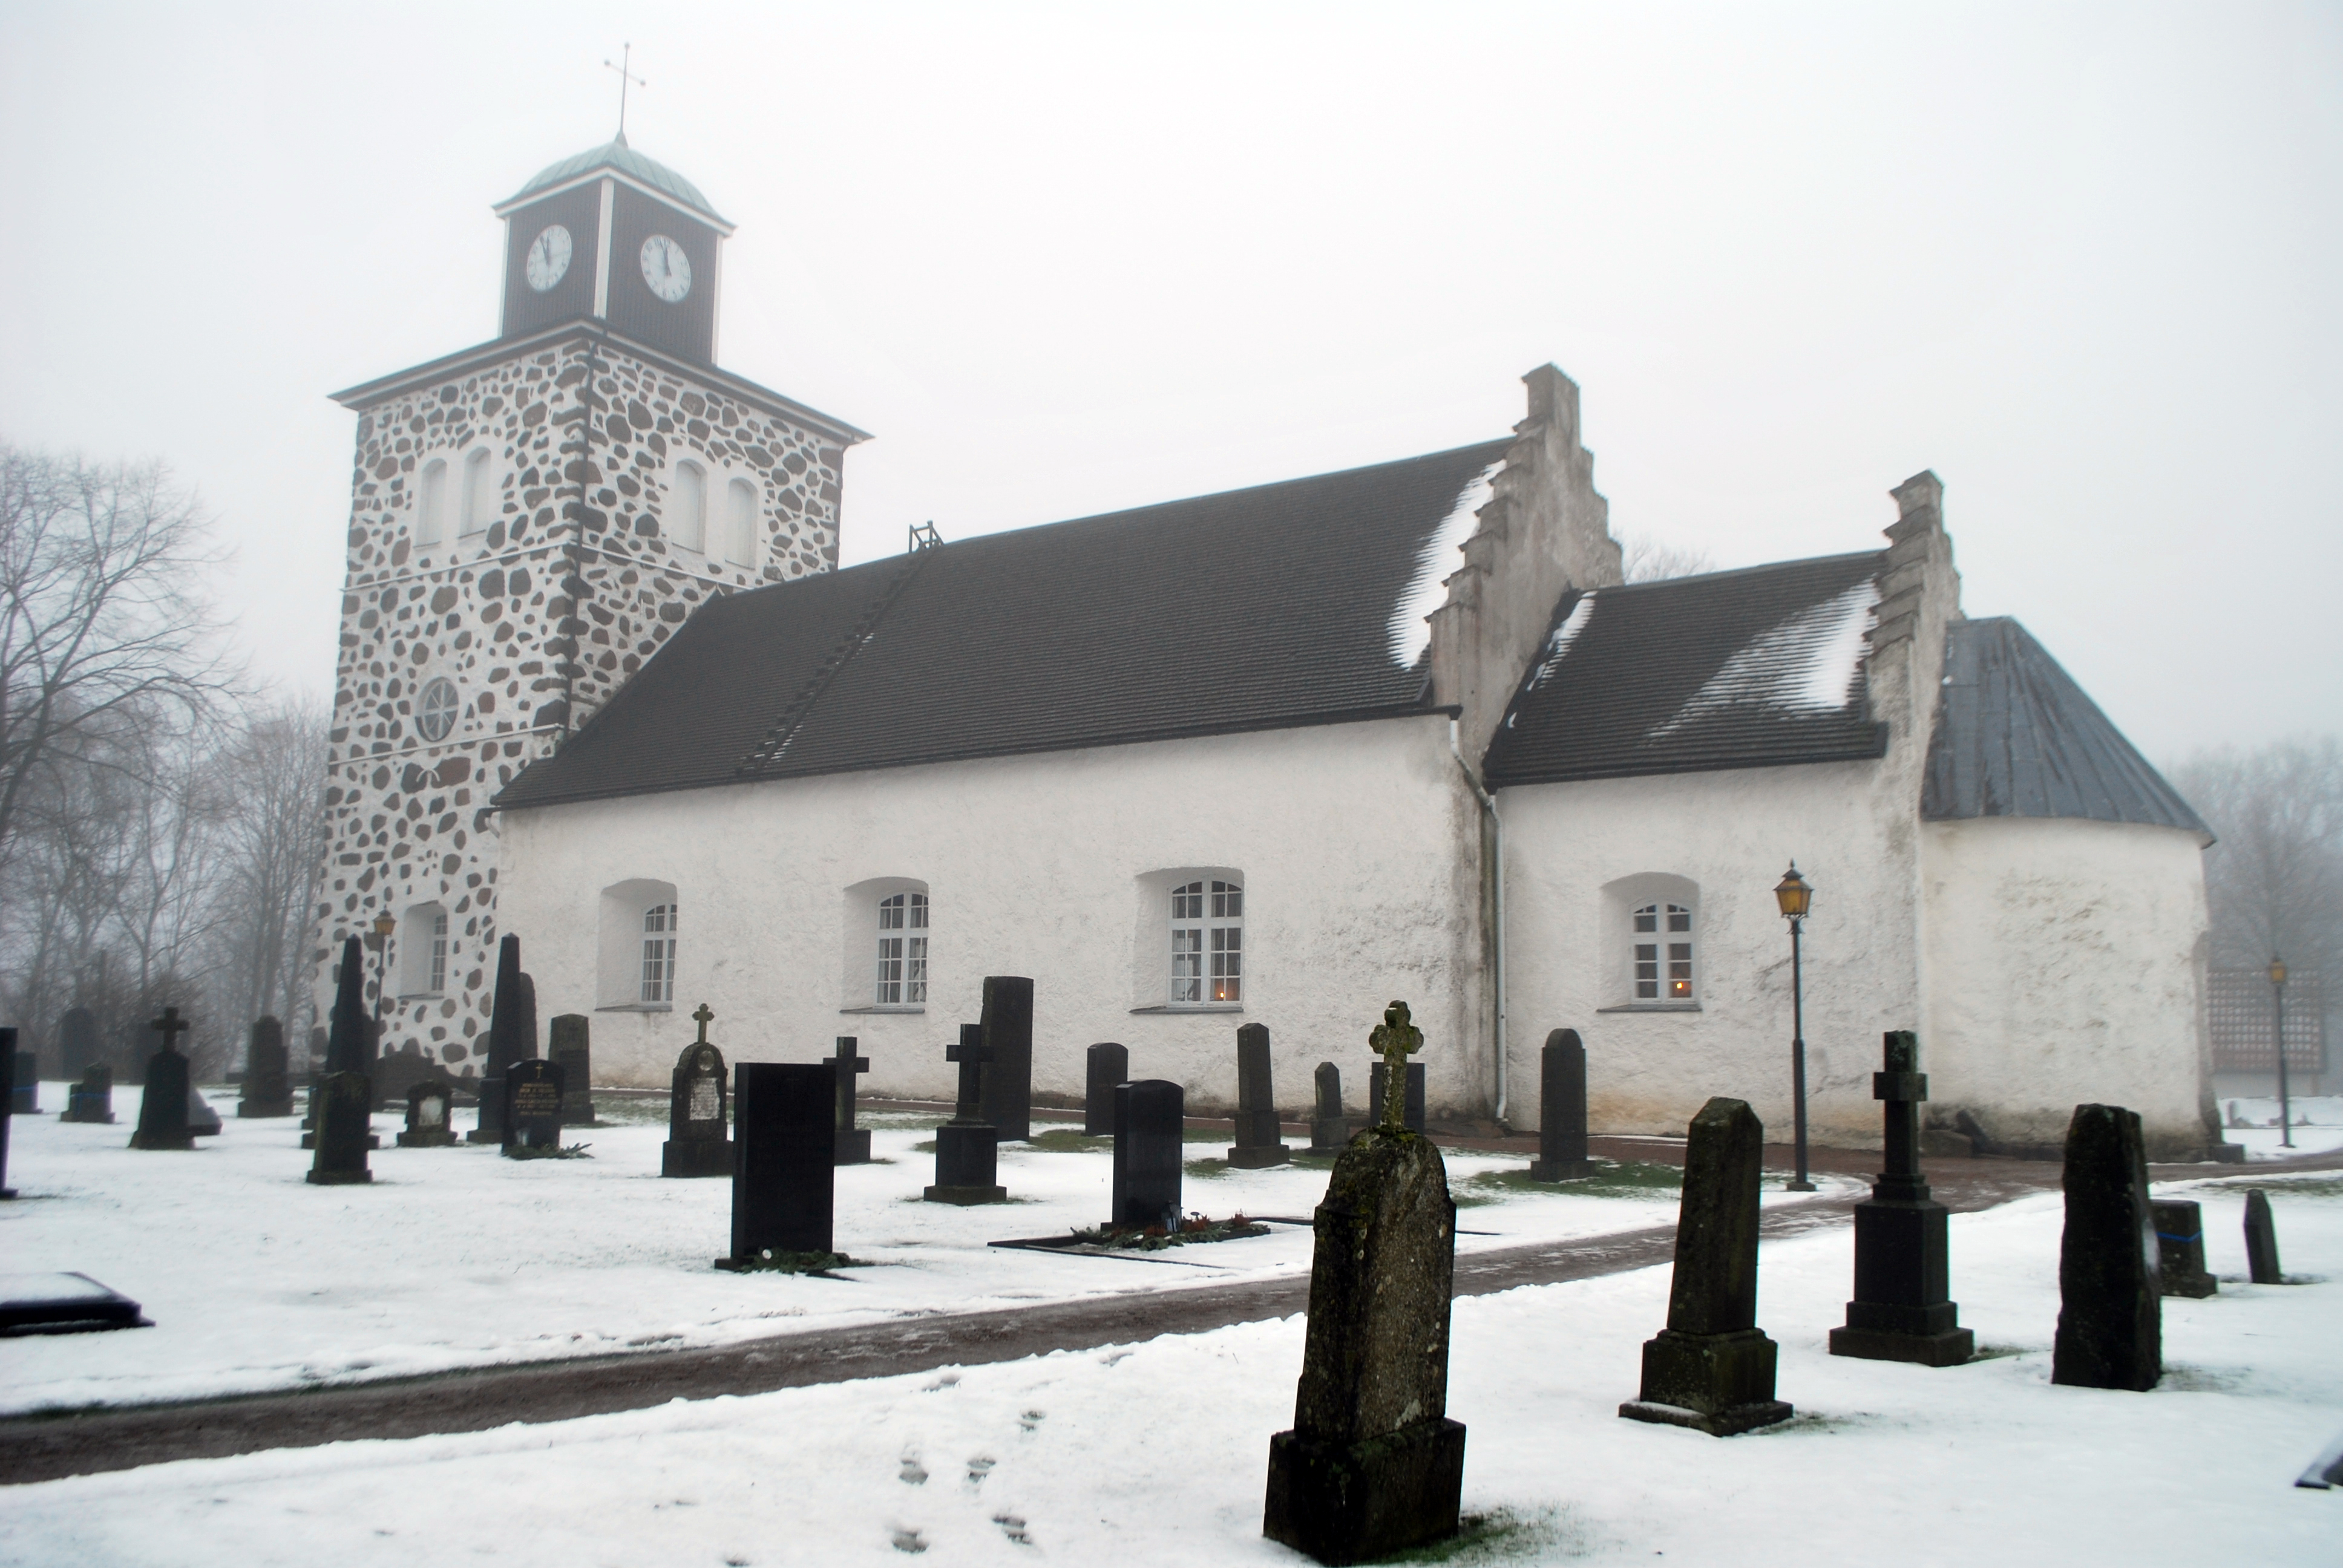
[549, 258]
[666, 268]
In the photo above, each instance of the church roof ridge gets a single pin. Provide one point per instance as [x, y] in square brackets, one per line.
[616, 154]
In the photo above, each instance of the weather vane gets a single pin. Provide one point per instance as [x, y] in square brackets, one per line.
[621, 64]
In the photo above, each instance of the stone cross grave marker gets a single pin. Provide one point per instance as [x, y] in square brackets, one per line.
[698, 1143]
[268, 1082]
[1712, 1368]
[784, 1178]
[24, 1084]
[533, 1100]
[1104, 1066]
[1902, 1309]
[91, 1100]
[345, 1129]
[1562, 1110]
[2181, 1248]
[2261, 1241]
[1373, 1466]
[1260, 1134]
[968, 1147]
[430, 1116]
[1150, 1118]
[2110, 1279]
[163, 1103]
[1379, 1090]
[569, 1041]
[1330, 1130]
[512, 1037]
[851, 1144]
[1008, 1024]
[77, 1044]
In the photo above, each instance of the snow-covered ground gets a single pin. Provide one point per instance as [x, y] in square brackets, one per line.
[457, 1257]
[2317, 1118]
[1156, 1454]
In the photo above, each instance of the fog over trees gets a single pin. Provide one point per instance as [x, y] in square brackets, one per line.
[2275, 877]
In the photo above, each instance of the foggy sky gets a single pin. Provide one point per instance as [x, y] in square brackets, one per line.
[2081, 261]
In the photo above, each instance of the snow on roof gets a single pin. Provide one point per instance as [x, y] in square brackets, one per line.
[1805, 663]
[1441, 555]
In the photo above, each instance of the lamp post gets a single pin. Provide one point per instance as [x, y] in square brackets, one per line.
[1797, 896]
[2284, 1106]
[383, 926]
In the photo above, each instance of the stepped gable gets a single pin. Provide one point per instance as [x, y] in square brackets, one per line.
[1750, 668]
[2016, 737]
[1268, 607]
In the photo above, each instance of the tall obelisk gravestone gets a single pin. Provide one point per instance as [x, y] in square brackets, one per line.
[348, 1039]
[343, 1100]
[2110, 1278]
[1373, 1465]
[512, 1037]
[1902, 1309]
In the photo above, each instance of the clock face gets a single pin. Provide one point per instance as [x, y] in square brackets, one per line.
[666, 268]
[549, 258]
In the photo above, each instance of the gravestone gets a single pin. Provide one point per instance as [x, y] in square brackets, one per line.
[78, 1050]
[968, 1147]
[7, 1118]
[569, 1041]
[2261, 1241]
[1149, 1120]
[533, 1099]
[784, 1176]
[24, 1084]
[163, 1105]
[1104, 1066]
[2181, 1248]
[1902, 1311]
[268, 1083]
[91, 1100]
[697, 1144]
[345, 1129]
[203, 1121]
[1377, 1090]
[430, 1116]
[1373, 1466]
[1330, 1130]
[1562, 1110]
[1260, 1134]
[1712, 1368]
[512, 1037]
[348, 1038]
[2110, 1308]
[850, 1144]
[1008, 1024]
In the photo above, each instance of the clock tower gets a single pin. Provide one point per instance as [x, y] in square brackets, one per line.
[530, 518]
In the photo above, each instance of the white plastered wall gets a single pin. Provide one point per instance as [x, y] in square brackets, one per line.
[1354, 842]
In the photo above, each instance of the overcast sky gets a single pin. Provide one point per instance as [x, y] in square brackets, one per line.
[2085, 262]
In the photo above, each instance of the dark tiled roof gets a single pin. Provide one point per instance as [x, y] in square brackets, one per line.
[1263, 608]
[2016, 737]
[617, 155]
[1750, 668]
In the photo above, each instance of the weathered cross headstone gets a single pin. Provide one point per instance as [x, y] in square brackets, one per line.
[2181, 1248]
[512, 1037]
[784, 1176]
[1372, 1464]
[1562, 1110]
[697, 1143]
[2110, 1308]
[163, 1105]
[2261, 1241]
[78, 1049]
[968, 1147]
[1008, 1024]
[1260, 1133]
[1902, 1311]
[1712, 1368]
[345, 1129]
[349, 1041]
[568, 1040]
[1149, 1120]
[430, 1116]
[1379, 1090]
[532, 1100]
[1330, 1130]
[1104, 1066]
[24, 1084]
[267, 1084]
[91, 1100]
[850, 1144]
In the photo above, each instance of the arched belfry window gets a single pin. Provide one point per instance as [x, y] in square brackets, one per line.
[1207, 942]
[658, 953]
[902, 950]
[740, 523]
[431, 503]
[479, 496]
[689, 526]
[1661, 942]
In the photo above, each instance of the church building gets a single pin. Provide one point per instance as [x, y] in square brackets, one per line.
[1277, 756]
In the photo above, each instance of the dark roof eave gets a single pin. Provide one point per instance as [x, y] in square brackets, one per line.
[1871, 751]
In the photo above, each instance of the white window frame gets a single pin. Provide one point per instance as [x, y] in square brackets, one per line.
[438, 951]
[688, 499]
[1661, 969]
[431, 502]
[741, 507]
[1207, 943]
[659, 926]
[477, 497]
[905, 920]
[422, 938]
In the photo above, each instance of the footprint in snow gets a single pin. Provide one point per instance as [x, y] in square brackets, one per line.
[979, 1468]
[1014, 1528]
[910, 1540]
[1031, 1419]
[913, 1474]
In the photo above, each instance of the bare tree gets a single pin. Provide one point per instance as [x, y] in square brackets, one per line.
[273, 774]
[1647, 560]
[2275, 877]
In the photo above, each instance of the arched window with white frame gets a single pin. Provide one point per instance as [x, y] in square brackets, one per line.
[431, 503]
[423, 951]
[1207, 942]
[479, 501]
[688, 502]
[740, 523]
[658, 953]
[902, 950]
[1661, 941]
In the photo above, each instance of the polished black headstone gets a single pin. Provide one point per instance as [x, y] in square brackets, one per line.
[784, 1175]
[163, 1105]
[512, 1037]
[2261, 1241]
[851, 1144]
[1150, 1120]
[1413, 1114]
[1104, 1066]
[1330, 1130]
[1902, 1309]
[345, 1129]
[1712, 1368]
[569, 1041]
[91, 1098]
[430, 1116]
[968, 1149]
[1260, 1137]
[24, 1084]
[697, 1142]
[1562, 1110]
[347, 1034]
[268, 1082]
[1007, 1025]
[2181, 1248]
[78, 1049]
[2110, 1279]
[533, 1094]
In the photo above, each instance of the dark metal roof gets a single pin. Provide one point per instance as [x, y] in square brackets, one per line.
[2016, 737]
[1270, 607]
[617, 155]
[1749, 669]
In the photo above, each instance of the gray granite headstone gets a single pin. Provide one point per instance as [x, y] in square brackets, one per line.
[430, 1116]
[2110, 1278]
[91, 1100]
[2181, 1248]
[1562, 1110]
[1148, 1140]
[163, 1102]
[697, 1142]
[7, 1119]
[202, 1120]
[968, 1149]
[1902, 1309]
[1330, 1130]
[1008, 1024]
[345, 1129]
[24, 1084]
[569, 1041]
[1104, 1066]
[267, 1080]
[1260, 1134]
[784, 1180]
[2261, 1241]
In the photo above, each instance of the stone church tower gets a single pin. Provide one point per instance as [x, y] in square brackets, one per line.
[529, 520]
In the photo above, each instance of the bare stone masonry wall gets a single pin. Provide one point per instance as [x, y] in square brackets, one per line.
[536, 621]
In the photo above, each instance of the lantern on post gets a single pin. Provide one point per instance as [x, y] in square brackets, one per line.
[383, 926]
[1795, 896]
